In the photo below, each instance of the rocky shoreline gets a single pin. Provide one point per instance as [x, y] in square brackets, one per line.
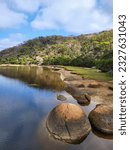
[100, 92]
[85, 91]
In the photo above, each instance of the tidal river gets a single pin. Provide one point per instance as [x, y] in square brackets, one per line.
[27, 95]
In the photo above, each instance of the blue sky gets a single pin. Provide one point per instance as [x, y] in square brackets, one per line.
[21, 20]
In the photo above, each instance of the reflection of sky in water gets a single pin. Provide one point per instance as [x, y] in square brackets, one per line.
[21, 111]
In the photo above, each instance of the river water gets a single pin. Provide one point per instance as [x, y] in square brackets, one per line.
[27, 95]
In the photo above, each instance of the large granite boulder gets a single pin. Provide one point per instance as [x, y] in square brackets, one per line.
[69, 123]
[101, 119]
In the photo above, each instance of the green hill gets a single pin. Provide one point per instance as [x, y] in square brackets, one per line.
[84, 50]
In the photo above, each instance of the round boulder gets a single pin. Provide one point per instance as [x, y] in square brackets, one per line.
[101, 119]
[69, 123]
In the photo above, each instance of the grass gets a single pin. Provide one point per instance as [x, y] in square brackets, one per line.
[90, 73]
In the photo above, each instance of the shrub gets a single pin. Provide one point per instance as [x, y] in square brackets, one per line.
[83, 62]
[104, 65]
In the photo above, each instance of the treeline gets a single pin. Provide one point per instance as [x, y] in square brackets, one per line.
[84, 50]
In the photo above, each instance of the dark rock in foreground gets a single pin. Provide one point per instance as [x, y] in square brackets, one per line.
[68, 122]
[61, 97]
[101, 119]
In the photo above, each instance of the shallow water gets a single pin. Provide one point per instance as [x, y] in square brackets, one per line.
[27, 95]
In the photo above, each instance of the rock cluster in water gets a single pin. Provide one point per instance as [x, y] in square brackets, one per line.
[82, 97]
[69, 123]
[101, 119]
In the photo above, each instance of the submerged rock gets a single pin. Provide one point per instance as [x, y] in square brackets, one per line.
[61, 97]
[82, 97]
[69, 123]
[101, 119]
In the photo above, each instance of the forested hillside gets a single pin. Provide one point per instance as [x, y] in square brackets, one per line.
[84, 50]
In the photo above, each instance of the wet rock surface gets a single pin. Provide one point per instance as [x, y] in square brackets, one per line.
[68, 122]
[81, 96]
[61, 97]
[101, 119]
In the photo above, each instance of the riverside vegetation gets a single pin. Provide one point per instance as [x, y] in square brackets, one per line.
[83, 51]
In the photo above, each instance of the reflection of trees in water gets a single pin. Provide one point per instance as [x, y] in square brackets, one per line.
[35, 76]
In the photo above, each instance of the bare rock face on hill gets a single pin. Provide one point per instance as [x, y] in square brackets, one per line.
[101, 119]
[68, 122]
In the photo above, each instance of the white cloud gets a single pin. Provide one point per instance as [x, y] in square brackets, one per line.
[10, 18]
[27, 5]
[12, 40]
[70, 16]
[74, 16]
